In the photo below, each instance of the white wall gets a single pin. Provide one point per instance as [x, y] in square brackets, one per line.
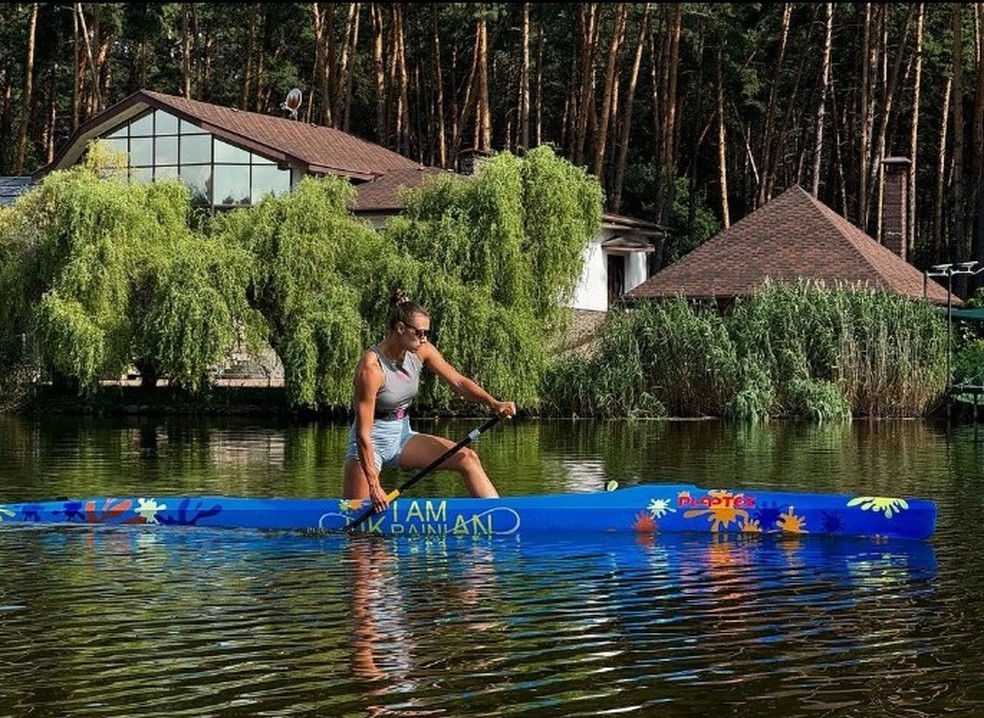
[592, 290]
[636, 267]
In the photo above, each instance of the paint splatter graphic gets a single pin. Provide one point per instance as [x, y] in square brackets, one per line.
[148, 509]
[721, 515]
[658, 508]
[880, 504]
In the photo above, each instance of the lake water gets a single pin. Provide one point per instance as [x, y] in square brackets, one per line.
[126, 622]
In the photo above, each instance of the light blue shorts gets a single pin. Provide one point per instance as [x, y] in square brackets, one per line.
[388, 439]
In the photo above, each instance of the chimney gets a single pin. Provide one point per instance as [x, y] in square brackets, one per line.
[468, 160]
[895, 205]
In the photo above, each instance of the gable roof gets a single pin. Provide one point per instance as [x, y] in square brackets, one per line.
[382, 195]
[13, 187]
[794, 236]
[315, 149]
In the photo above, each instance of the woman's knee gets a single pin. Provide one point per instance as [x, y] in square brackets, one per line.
[468, 460]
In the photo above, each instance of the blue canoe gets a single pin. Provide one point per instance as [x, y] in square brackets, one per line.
[643, 509]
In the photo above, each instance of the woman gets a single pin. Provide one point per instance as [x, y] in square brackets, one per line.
[387, 379]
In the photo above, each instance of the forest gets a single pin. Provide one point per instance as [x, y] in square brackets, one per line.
[712, 107]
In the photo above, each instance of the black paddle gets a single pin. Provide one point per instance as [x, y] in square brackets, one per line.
[395, 493]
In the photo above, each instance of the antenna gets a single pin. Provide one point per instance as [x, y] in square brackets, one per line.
[292, 103]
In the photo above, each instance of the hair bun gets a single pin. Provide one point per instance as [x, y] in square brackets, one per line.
[400, 297]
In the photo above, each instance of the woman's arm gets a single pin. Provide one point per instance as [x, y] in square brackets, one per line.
[368, 380]
[468, 388]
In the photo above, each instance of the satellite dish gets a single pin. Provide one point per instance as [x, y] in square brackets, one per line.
[292, 103]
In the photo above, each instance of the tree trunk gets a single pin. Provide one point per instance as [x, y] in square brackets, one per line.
[483, 112]
[523, 131]
[379, 63]
[768, 162]
[28, 95]
[440, 136]
[914, 132]
[324, 59]
[538, 125]
[350, 43]
[94, 74]
[866, 119]
[318, 97]
[247, 59]
[722, 142]
[626, 127]
[186, 30]
[104, 41]
[666, 161]
[940, 193]
[958, 250]
[78, 67]
[609, 91]
[828, 40]
[888, 105]
[400, 80]
[467, 105]
[587, 36]
[977, 241]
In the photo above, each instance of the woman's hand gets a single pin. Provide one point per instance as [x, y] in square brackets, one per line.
[504, 409]
[376, 493]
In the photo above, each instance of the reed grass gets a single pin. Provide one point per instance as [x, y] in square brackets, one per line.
[799, 350]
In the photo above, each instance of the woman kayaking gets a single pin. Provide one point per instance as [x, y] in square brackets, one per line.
[387, 379]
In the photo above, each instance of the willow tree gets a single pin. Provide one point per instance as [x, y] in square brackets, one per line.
[103, 273]
[497, 258]
[311, 261]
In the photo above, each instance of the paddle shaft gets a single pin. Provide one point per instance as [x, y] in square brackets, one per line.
[395, 493]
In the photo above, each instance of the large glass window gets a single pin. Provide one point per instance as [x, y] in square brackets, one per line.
[231, 185]
[199, 180]
[165, 150]
[143, 127]
[165, 123]
[196, 149]
[227, 154]
[141, 151]
[267, 179]
[218, 173]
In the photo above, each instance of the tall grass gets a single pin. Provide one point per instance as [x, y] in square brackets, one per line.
[790, 350]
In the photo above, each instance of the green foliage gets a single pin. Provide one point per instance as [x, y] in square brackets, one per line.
[105, 273]
[691, 221]
[493, 257]
[198, 301]
[789, 350]
[310, 261]
[968, 363]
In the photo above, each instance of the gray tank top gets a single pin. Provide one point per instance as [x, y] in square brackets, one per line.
[400, 384]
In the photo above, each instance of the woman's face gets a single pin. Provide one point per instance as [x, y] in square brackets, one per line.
[416, 329]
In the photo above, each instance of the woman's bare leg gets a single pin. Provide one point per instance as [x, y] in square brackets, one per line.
[354, 484]
[422, 449]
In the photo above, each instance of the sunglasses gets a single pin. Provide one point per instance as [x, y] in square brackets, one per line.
[420, 334]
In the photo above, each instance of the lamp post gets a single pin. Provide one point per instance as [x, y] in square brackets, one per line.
[948, 271]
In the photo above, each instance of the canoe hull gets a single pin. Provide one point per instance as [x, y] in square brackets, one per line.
[644, 509]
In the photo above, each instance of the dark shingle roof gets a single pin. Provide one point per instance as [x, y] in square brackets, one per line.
[319, 150]
[382, 194]
[13, 187]
[794, 236]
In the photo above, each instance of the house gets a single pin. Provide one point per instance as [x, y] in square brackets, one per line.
[13, 187]
[231, 158]
[796, 236]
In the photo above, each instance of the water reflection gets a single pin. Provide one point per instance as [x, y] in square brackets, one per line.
[121, 621]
